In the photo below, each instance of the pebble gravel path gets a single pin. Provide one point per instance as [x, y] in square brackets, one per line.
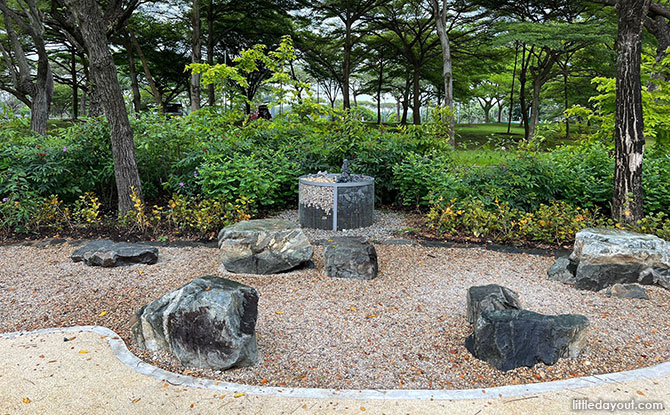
[403, 330]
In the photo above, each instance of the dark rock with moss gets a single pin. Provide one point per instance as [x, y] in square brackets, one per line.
[263, 246]
[507, 339]
[112, 254]
[490, 297]
[350, 257]
[208, 323]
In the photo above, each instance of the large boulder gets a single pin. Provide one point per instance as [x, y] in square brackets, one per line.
[488, 298]
[508, 339]
[112, 254]
[263, 246]
[605, 257]
[350, 257]
[208, 323]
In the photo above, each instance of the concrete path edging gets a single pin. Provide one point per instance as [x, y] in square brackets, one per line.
[121, 351]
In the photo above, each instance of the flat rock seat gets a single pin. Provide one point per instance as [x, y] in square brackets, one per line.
[506, 336]
[507, 339]
[112, 254]
[263, 246]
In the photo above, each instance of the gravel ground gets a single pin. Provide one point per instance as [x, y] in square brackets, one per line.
[403, 330]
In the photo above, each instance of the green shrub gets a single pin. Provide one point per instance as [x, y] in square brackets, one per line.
[419, 177]
[584, 175]
[554, 224]
[524, 183]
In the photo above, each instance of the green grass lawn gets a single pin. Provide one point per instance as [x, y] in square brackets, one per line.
[494, 134]
[482, 136]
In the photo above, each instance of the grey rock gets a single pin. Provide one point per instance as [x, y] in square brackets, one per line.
[563, 270]
[627, 291]
[112, 254]
[345, 175]
[208, 323]
[507, 339]
[350, 257]
[488, 298]
[263, 246]
[606, 257]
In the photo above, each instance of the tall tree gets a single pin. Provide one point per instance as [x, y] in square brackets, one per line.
[413, 26]
[36, 89]
[196, 53]
[627, 203]
[440, 11]
[90, 21]
[147, 72]
[349, 13]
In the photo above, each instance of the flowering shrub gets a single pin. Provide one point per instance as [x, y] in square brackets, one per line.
[556, 223]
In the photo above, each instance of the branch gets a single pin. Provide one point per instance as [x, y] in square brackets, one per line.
[21, 97]
[654, 7]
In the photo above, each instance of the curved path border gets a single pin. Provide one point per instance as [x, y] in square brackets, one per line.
[121, 351]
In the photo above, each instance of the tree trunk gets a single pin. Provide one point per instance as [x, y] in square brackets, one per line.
[379, 107]
[535, 107]
[522, 93]
[500, 110]
[405, 100]
[196, 54]
[88, 15]
[627, 203]
[39, 110]
[346, 66]
[75, 86]
[38, 86]
[43, 91]
[211, 99]
[440, 14]
[82, 103]
[137, 98]
[95, 108]
[511, 94]
[565, 98]
[416, 96]
[147, 73]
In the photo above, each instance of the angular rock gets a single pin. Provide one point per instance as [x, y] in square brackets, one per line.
[508, 339]
[606, 257]
[208, 323]
[112, 254]
[628, 291]
[563, 270]
[488, 298]
[263, 246]
[350, 257]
